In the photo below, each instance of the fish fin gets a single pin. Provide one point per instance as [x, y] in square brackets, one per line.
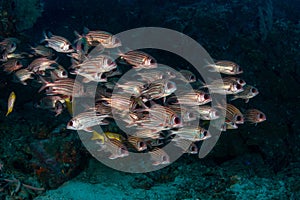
[104, 122]
[88, 129]
[113, 156]
[98, 136]
[77, 35]
[156, 163]
[50, 34]
[8, 112]
[53, 76]
[86, 80]
[95, 52]
[86, 30]
[233, 98]
[247, 100]
[45, 37]
[45, 84]
[74, 62]
[202, 83]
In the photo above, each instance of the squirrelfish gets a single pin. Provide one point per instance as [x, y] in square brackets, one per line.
[196, 97]
[161, 117]
[224, 86]
[86, 120]
[186, 145]
[248, 93]
[225, 67]
[9, 45]
[159, 89]
[66, 86]
[22, 76]
[233, 114]
[254, 116]
[152, 75]
[192, 133]
[58, 43]
[12, 65]
[138, 143]
[188, 76]
[106, 39]
[39, 65]
[159, 157]
[42, 51]
[139, 60]
[208, 113]
[116, 148]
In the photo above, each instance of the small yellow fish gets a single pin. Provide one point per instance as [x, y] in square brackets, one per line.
[114, 136]
[11, 102]
[68, 102]
[98, 136]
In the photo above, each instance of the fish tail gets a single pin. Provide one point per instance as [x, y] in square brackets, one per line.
[204, 85]
[86, 30]
[8, 112]
[233, 98]
[45, 84]
[77, 34]
[45, 37]
[78, 37]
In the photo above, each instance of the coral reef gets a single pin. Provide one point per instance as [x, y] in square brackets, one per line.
[18, 15]
[26, 13]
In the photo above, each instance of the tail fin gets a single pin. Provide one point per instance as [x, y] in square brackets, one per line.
[45, 37]
[45, 84]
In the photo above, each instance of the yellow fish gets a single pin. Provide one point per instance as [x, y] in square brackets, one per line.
[115, 136]
[11, 102]
[98, 136]
[110, 135]
[69, 105]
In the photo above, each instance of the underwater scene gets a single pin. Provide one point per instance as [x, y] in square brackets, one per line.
[153, 99]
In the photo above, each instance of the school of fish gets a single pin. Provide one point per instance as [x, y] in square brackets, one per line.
[146, 103]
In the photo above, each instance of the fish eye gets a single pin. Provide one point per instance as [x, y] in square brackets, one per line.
[123, 150]
[70, 123]
[205, 133]
[238, 118]
[253, 90]
[192, 77]
[109, 62]
[163, 76]
[238, 86]
[169, 85]
[191, 115]
[171, 74]
[164, 158]
[18, 62]
[241, 81]
[142, 144]
[217, 114]
[193, 148]
[152, 61]
[206, 96]
[64, 73]
[177, 120]
[117, 41]
[261, 116]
